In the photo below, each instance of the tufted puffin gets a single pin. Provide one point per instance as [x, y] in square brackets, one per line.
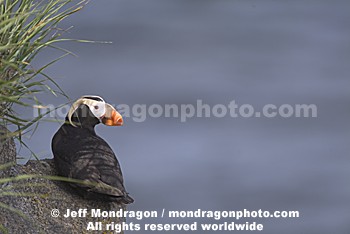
[79, 153]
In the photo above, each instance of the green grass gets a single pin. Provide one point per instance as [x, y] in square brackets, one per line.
[26, 28]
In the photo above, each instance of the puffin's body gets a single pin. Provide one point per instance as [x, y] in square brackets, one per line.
[79, 153]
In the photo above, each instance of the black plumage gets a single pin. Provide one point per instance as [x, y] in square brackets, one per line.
[79, 153]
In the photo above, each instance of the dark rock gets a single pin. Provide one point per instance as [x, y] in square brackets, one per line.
[36, 197]
[7, 147]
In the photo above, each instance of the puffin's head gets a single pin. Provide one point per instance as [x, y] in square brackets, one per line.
[97, 108]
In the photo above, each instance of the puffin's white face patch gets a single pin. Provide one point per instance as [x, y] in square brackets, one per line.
[96, 105]
[97, 108]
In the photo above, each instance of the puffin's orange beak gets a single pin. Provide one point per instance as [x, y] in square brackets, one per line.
[112, 117]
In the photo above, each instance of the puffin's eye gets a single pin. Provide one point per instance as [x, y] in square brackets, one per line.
[96, 107]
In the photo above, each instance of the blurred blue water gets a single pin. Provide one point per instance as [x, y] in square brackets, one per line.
[255, 52]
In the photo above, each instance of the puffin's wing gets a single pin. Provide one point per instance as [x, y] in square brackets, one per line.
[99, 168]
[101, 188]
[91, 182]
[96, 188]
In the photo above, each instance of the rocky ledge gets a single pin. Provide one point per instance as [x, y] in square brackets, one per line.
[30, 205]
